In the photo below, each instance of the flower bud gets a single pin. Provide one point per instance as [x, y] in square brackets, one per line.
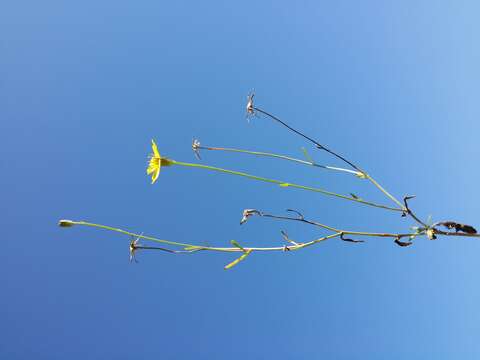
[66, 223]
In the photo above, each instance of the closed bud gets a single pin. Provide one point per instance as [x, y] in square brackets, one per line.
[66, 223]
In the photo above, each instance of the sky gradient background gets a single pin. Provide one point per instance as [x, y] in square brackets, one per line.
[84, 86]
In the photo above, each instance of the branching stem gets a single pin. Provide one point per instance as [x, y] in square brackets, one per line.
[283, 183]
[364, 173]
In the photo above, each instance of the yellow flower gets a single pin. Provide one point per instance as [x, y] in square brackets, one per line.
[156, 162]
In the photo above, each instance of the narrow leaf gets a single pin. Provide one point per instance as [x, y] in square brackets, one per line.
[236, 244]
[307, 156]
[236, 261]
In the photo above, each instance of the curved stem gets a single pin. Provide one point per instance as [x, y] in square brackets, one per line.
[199, 247]
[283, 183]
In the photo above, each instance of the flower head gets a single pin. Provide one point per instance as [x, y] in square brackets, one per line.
[133, 248]
[247, 213]
[156, 162]
[196, 148]
[250, 107]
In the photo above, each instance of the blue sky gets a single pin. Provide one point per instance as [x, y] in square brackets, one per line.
[84, 86]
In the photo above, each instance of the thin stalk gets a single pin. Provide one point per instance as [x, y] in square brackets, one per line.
[282, 183]
[199, 247]
[345, 232]
[141, 236]
[283, 157]
[382, 189]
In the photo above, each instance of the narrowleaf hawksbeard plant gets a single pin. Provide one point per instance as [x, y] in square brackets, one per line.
[426, 229]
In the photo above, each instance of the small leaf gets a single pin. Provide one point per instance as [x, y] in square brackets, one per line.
[286, 238]
[236, 244]
[236, 261]
[307, 156]
[354, 196]
[429, 220]
[284, 184]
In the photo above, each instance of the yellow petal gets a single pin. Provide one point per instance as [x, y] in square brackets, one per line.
[155, 175]
[155, 149]
[152, 165]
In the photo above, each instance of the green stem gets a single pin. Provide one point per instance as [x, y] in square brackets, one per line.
[283, 157]
[100, 226]
[379, 187]
[311, 163]
[282, 183]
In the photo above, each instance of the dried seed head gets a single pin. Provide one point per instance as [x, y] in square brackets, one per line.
[133, 248]
[247, 213]
[196, 148]
[250, 107]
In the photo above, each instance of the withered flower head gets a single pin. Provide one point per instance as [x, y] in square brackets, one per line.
[250, 107]
[247, 213]
[133, 249]
[196, 148]
[431, 234]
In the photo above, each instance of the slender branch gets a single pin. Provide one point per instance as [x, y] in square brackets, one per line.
[410, 212]
[283, 157]
[284, 184]
[331, 228]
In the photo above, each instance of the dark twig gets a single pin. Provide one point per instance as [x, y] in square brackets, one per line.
[350, 240]
[409, 211]
[402, 243]
[317, 144]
